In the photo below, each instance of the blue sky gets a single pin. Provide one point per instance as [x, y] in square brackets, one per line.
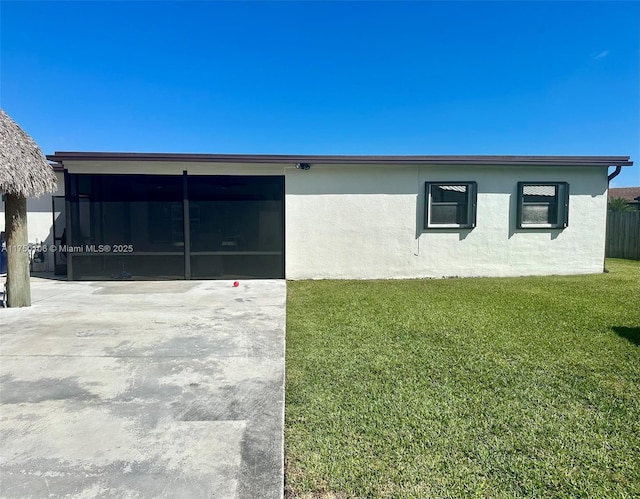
[325, 77]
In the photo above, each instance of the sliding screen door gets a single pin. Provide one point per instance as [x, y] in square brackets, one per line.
[125, 227]
[236, 226]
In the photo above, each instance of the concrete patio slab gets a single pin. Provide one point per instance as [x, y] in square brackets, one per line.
[143, 389]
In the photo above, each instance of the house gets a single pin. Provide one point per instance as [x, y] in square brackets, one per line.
[630, 194]
[212, 216]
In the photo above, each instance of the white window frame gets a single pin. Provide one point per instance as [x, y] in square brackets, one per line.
[562, 203]
[472, 201]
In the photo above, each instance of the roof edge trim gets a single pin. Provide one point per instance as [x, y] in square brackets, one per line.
[346, 159]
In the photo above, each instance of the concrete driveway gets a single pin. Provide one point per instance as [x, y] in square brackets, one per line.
[143, 389]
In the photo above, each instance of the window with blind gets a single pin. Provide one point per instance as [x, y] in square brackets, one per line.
[450, 205]
[543, 205]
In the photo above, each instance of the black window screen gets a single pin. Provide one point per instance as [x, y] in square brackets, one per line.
[236, 226]
[133, 227]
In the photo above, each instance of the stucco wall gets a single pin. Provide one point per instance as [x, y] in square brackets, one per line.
[40, 218]
[367, 222]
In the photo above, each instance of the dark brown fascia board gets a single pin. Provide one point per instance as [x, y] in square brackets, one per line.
[347, 160]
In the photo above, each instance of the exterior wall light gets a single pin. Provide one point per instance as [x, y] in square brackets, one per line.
[303, 166]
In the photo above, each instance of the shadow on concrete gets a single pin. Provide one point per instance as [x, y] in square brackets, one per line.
[49, 275]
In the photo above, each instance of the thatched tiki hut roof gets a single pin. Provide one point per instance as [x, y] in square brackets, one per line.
[24, 173]
[23, 168]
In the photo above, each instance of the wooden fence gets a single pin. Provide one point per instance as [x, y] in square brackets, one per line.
[623, 234]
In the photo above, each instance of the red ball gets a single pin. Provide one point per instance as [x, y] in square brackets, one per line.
[236, 284]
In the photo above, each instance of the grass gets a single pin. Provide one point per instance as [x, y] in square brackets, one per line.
[496, 387]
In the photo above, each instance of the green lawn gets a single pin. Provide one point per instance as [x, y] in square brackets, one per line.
[465, 387]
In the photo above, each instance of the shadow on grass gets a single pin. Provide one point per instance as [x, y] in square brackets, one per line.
[630, 333]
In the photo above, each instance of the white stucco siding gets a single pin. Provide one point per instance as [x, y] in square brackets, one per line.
[40, 218]
[348, 222]
[367, 222]
[577, 249]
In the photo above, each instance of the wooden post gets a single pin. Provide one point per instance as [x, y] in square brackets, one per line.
[18, 277]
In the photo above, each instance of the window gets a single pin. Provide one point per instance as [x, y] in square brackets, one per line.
[543, 205]
[450, 205]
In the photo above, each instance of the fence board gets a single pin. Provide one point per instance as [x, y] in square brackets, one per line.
[623, 234]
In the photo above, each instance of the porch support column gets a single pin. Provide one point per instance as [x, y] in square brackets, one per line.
[187, 226]
[18, 277]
